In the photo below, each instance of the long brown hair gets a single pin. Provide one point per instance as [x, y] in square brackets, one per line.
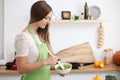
[40, 10]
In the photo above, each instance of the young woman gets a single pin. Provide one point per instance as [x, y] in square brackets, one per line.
[32, 45]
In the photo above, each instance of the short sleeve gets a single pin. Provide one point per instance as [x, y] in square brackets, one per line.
[22, 45]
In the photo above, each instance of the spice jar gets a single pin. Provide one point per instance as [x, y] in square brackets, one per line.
[107, 56]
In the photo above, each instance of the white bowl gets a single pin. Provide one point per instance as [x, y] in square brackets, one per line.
[65, 71]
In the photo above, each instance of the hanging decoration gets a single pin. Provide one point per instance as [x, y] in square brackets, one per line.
[101, 36]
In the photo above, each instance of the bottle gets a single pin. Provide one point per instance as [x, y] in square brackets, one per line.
[85, 11]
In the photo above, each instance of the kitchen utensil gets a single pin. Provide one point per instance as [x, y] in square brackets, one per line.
[57, 61]
[60, 65]
[80, 53]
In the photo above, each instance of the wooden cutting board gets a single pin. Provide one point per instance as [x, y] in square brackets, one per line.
[80, 53]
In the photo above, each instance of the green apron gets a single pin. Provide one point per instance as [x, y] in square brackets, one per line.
[42, 73]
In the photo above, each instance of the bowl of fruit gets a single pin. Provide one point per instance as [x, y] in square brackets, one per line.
[60, 70]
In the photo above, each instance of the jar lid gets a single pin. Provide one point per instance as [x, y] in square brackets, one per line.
[108, 50]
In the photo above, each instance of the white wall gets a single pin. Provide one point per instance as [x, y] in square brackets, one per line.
[65, 35]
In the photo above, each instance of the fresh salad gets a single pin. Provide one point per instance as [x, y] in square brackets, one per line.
[65, 67]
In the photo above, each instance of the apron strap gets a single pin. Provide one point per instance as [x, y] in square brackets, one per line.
[30, 31]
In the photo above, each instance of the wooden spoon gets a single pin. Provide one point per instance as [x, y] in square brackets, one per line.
[57, 61]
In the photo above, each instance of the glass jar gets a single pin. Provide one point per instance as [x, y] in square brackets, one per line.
[106, 57]
[107, 54]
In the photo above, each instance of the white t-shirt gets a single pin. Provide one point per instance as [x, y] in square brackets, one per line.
[25, 46]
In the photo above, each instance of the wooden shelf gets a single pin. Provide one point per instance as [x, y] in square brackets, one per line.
[89, 68]
[78, 21]
[5, 72]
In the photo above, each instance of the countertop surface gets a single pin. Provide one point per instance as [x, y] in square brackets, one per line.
[90, 68]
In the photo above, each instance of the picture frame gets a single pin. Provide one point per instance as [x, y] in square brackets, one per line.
[66, 15]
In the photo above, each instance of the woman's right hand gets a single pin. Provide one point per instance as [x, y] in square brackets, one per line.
[51, 60]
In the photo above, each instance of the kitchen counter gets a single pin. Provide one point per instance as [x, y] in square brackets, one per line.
[90, 68]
